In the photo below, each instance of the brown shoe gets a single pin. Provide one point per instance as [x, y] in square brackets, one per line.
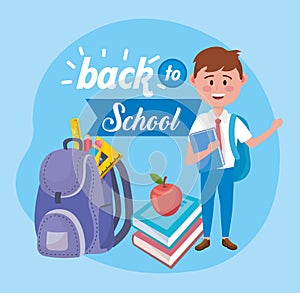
[204, 244]
[227, 243]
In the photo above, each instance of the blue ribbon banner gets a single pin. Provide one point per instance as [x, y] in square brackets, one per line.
[143, 117]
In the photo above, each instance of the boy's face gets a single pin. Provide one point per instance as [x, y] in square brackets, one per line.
[218, 88]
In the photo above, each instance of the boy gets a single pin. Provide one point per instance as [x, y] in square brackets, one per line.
[218, 77]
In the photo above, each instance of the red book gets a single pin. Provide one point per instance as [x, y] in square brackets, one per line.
[171, 256]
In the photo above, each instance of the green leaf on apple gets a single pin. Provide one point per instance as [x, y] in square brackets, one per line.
[156, 178]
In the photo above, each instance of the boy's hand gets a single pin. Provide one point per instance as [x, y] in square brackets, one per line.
[213, 145]
[276, 124]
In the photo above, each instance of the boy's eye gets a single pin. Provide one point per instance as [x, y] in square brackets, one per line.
[224, 82]
[211, 82]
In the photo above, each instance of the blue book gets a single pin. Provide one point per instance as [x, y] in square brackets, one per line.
[167, 229]
[200, 141]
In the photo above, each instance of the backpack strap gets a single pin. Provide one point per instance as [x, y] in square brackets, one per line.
[127, 198]
[116, 198]
[232, 137]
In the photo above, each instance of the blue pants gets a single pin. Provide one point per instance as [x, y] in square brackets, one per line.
[210, 182]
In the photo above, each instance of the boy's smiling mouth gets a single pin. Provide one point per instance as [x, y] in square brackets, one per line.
[218, 96]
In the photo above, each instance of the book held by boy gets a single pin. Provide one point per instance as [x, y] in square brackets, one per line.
[200, 141]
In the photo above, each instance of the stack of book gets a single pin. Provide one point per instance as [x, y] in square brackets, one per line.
[167, 239]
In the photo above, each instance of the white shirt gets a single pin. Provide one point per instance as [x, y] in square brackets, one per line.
[241, 132]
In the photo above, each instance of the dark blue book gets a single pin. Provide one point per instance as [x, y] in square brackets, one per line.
[200, 141]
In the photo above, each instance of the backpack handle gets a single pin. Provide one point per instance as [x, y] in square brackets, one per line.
[232, 137]
[67, 140]
[128, 201]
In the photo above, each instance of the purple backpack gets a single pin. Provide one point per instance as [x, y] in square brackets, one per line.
[74, 212]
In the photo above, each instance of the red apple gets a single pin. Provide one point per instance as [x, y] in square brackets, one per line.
[165, 198]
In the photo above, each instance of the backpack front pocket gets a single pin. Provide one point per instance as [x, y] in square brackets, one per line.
[60, 234]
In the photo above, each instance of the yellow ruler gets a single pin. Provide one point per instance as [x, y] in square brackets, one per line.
[75, 128]
[106, 157]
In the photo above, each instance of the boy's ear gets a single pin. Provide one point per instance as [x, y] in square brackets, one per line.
[244, 79]
[192, 79]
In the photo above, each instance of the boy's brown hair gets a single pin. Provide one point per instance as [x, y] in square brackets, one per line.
[216, 58]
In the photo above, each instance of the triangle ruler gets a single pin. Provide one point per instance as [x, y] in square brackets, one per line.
[106, 157]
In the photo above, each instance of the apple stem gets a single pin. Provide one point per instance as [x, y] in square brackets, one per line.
[164, 183]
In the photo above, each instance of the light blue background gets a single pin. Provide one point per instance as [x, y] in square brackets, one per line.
[55, 104]
[34, 34]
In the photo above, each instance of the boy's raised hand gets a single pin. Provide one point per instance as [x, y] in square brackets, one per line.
[277, 123]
